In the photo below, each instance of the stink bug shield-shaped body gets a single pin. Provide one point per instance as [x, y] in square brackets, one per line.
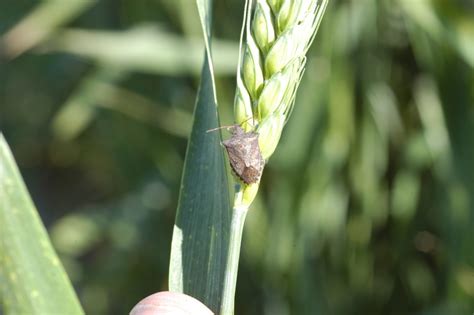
[244, 154]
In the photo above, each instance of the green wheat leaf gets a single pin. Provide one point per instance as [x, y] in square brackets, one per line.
[32, 279]
[200, 237]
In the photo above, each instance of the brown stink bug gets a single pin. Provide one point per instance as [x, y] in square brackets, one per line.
[244, 154]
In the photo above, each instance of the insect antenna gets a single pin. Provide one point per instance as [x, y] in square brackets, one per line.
[229, 126]
[221, 127]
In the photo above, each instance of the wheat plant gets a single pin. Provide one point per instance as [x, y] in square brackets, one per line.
[275, 38]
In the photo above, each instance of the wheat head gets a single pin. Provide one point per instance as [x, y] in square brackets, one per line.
[278, 34]
[275, 38]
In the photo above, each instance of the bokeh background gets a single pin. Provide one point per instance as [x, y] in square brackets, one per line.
[367, 207]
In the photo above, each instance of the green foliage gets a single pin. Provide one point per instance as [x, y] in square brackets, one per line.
[200, 235]
[366, 206]
[33, 280]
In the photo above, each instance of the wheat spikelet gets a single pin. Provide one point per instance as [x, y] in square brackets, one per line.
[278, 34]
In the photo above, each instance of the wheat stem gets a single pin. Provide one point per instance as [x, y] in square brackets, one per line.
[239, 212]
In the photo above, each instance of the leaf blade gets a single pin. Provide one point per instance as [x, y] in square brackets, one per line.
[33, 280]
[200, 236]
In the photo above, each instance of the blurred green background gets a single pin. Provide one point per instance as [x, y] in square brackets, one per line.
[367, 207]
